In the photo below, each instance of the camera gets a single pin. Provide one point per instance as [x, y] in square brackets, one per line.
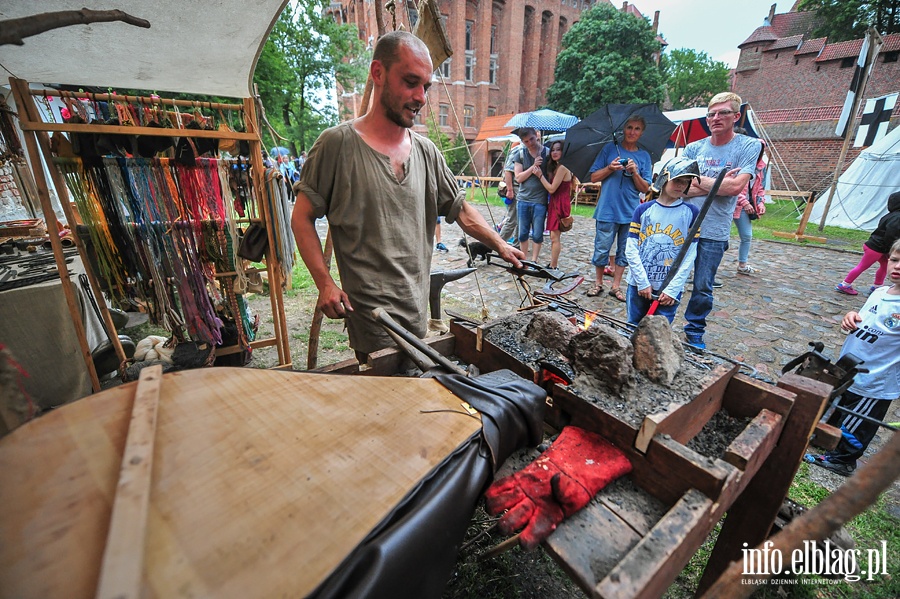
[623, 162]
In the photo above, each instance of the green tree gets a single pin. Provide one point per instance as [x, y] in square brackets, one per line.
[456, 153]
[606, 57]
[841, 20]
[693, 77]
[307, 51]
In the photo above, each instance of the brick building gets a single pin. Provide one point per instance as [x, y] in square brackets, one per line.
[504, 58]
[797, 84]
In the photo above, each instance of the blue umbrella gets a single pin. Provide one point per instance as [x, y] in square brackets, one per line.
[543, 119]
[280, 151]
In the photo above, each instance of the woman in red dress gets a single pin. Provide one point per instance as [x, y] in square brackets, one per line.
[559, 185]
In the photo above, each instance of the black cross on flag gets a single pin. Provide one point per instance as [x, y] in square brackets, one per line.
[844, 119]
[875, 119]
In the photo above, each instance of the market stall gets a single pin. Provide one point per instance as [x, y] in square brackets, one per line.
[161, 229]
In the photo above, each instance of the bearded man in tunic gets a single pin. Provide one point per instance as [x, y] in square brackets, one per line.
[382, 187]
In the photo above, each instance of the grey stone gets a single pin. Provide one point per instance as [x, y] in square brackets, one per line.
[552, 330]
[603, 354]
[657, 352]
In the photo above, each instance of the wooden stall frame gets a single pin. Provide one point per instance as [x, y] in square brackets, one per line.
[800, 234]
[38, 146]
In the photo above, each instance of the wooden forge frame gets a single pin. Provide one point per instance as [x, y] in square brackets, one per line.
[615, 552]
[37, 143]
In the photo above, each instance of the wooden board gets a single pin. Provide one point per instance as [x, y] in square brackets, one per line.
[123, 557]
[826, 436]
[487, 356]
[590, 543]
[755, 442]
[651, 566]
[262, 480]
[745, 397]
[683, 421]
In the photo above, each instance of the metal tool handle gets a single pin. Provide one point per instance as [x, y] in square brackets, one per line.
[382, 317]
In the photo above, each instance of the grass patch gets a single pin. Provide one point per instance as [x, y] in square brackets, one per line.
[144, 330]
[331, 340]
[785, 219]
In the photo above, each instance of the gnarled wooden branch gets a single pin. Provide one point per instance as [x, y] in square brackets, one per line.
[14, 31]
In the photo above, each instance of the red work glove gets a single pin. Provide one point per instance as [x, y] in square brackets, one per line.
[556, 485]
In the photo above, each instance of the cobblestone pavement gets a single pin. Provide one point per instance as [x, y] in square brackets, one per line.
[764, 319]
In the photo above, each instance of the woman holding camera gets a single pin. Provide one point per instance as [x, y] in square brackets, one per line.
[624, 169]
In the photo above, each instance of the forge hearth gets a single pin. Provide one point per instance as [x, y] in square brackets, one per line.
[631, 378]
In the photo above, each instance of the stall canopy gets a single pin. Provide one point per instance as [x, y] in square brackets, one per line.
[208, 47]
[860, 199]
[692, 124]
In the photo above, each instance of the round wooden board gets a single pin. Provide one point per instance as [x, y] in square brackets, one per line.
[262, 481]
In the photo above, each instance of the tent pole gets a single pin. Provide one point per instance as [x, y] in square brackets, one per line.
[22, 99]
[875, 42]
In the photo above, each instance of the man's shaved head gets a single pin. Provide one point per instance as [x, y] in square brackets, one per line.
[387, 46]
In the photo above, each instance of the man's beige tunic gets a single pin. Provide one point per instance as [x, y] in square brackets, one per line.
[382, 228]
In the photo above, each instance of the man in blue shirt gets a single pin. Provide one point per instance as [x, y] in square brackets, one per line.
[625, 171]
[736, 155]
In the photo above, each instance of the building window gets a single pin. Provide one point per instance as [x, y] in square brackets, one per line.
[412, 12]
[493, 39]
[469, 116]
[444, 70]
[848, 62]
[492, 73]
[470, 65]
[470, 35]
[492, 111]
[891, 56]
[444, 115]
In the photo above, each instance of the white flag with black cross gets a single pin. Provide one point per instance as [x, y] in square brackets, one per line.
[875, 119]
[841, 128]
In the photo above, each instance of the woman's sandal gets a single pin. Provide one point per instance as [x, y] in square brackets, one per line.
[617, 293]
[595, 290]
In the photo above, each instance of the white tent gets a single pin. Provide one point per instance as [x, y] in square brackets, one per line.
[860, 199]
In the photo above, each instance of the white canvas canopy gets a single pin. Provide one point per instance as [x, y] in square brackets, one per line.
[860, 199]
[208, 47]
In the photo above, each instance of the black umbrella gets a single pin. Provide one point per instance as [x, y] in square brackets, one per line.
[585, 140]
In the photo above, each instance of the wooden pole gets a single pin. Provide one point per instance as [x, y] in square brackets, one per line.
[875, 42]
[851, 498]
[134, 99]
[122, 568]
[63, 191]
[315, 328]
[274, 274]
[19, 89]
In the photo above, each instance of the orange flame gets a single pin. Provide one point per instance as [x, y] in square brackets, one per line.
[588, 319]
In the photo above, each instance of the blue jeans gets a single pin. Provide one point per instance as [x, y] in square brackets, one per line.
[603, 240]
[532, 218]
[709, 256]
[745, 230]
[638, 306]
